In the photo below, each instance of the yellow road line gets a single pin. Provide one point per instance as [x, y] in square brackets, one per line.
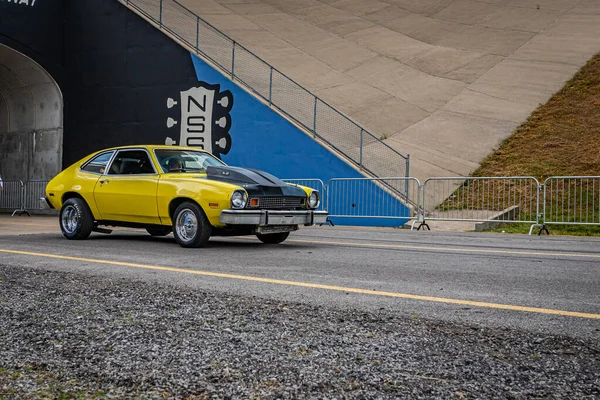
[317, 286]
[449, 249]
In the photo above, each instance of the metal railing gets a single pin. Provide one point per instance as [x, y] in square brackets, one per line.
[482, 199]
[572, 200]
[560, 200]
[12, 197]
[34, 190]
[372, 198]
[362, 148]
[316, 184]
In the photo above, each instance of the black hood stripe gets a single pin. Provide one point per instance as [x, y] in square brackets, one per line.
[256, 183]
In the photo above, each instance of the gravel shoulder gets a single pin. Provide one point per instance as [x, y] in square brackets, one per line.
[67, 335]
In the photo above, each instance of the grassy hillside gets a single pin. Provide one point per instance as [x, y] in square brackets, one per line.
[561, 137]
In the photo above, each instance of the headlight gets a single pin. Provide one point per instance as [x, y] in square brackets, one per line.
[313, 199]
[238, 199]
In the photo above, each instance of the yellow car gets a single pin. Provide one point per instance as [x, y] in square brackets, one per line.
[182, 190]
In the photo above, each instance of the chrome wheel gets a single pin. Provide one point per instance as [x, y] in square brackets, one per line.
[186, 225]
[70, 219]
[191, 228]
[75, 219]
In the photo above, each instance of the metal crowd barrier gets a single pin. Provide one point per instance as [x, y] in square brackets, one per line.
[370, 198]
[561, 200]
[571, 200]
[33, 191]
[316, 184]
[481, 199]
[12, 197]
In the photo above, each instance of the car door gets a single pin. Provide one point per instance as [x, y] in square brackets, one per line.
[88, 175]
[127, 190]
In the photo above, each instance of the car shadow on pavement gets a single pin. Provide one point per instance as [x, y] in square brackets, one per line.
[216, 242]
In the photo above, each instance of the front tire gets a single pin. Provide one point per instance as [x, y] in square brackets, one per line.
[273, 238]
[191, 228]
[159, 230]
[76, 219]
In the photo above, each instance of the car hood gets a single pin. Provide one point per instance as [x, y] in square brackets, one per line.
[256, 183]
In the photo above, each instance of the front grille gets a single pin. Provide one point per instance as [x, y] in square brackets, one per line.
[278, 202]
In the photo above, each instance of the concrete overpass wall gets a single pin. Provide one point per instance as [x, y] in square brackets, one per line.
[31, 138]
[31, 101]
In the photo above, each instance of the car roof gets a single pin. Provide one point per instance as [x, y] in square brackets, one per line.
[153, 147]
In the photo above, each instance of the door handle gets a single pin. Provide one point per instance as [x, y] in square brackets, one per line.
[104, 181]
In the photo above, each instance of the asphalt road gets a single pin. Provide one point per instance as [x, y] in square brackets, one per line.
[543, 284]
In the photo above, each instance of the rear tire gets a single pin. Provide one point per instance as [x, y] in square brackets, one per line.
[159, 230]
[191, 228]
[273, 238]
[75, 219]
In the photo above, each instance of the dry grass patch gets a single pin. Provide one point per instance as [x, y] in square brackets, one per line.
[561, 137]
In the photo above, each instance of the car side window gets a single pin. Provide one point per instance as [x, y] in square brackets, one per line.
[131, 162]
[97, 164]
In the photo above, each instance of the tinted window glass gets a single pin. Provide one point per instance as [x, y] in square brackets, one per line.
[98, 163]
[131, 162]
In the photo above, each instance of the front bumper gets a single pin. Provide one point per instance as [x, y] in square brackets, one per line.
[273, 217]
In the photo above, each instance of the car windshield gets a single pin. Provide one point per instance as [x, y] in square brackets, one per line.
[172, 160]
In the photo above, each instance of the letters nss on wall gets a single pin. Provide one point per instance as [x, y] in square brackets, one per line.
[204, 120]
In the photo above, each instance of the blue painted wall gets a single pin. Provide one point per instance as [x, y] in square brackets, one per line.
[262, 139]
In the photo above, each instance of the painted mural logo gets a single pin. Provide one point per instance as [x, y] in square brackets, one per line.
[30, 3]
[205, 119]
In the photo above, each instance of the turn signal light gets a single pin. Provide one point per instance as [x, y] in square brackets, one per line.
[254, 203]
